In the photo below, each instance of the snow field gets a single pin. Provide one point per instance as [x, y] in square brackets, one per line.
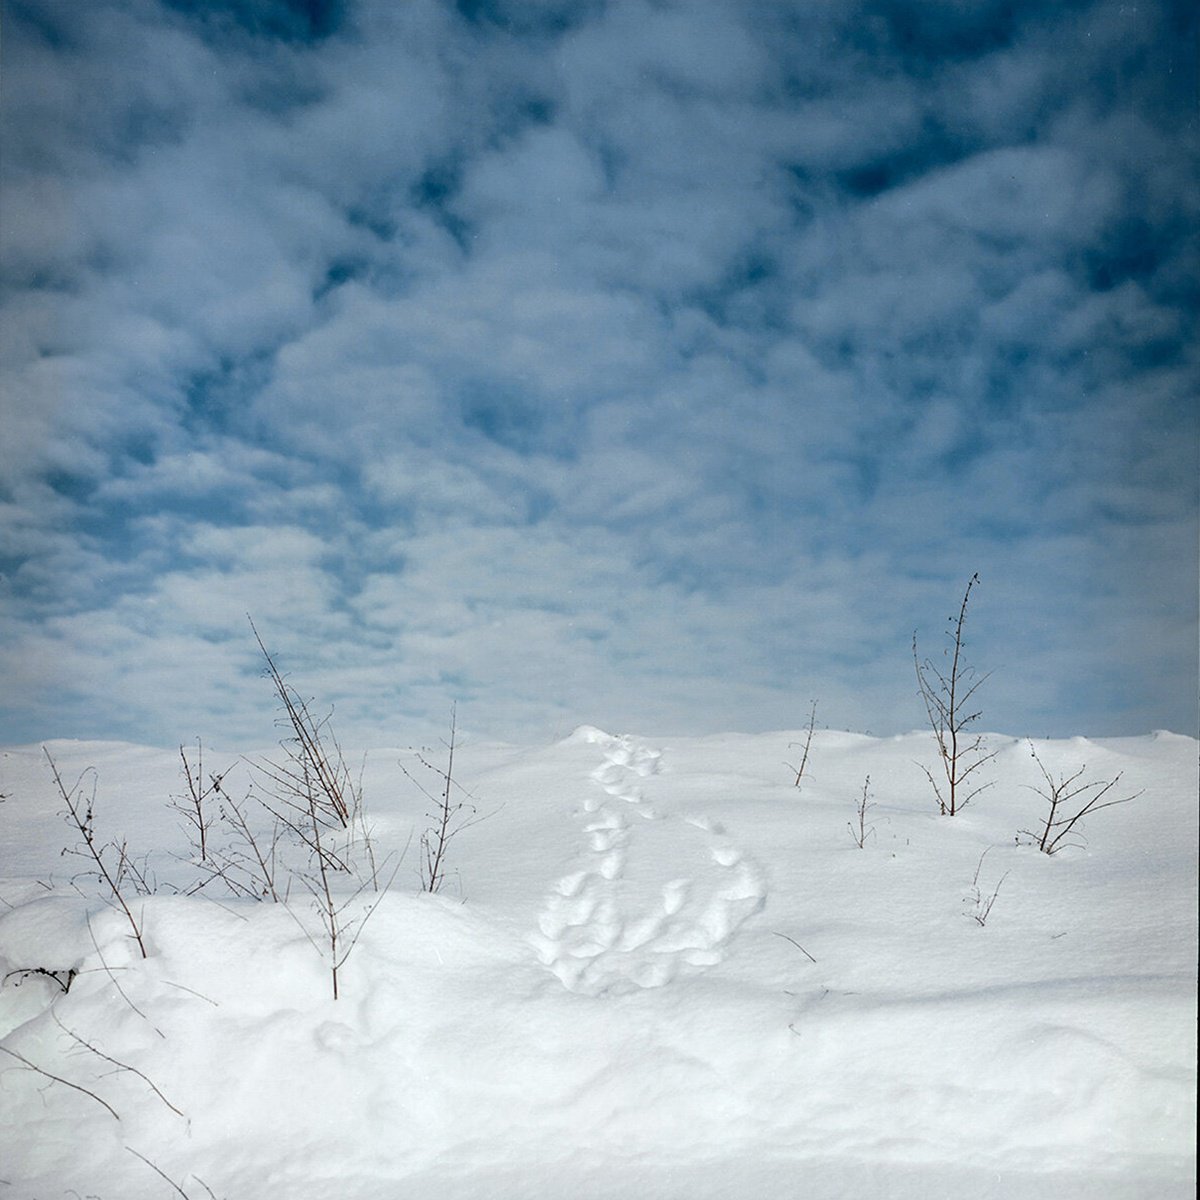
[593, 938]
[605, 1001]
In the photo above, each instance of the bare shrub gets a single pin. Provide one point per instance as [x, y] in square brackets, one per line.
[979, 898]
[1066, 806]
[248, 863]
[195, 806]
[859, 829]
[311, 779]
[453, 810]
[808, 737]
[948, 693]
[318, 806]
[112, 867]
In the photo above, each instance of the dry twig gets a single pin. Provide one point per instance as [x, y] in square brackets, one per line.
[81, 814]
[862, 830]
[1060, 823]
[983, 905]
[449, 816]
[808, 737]
[59, 1079]
[947, 695]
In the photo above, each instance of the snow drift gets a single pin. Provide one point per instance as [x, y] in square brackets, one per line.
[658, 969]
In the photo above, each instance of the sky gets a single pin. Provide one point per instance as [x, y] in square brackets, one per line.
[660, 366]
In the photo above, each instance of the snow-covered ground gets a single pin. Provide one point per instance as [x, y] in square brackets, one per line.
[657, 969]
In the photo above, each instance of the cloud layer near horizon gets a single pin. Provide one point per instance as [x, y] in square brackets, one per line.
[653, 365]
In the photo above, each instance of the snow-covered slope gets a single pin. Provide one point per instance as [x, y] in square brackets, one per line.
[657, 969]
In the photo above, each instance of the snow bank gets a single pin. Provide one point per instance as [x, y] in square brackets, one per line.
[659, 971]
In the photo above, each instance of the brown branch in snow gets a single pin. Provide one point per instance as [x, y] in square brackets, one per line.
[1061, 791]
[158, 1171]
[947, 697]
[116, 1063]
[59, 1079]
[812, 720]
[82, 818]
[797, 945]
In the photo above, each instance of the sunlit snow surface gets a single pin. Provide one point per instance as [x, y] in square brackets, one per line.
[615, 994]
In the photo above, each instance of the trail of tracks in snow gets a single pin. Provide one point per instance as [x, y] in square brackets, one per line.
[595, 936]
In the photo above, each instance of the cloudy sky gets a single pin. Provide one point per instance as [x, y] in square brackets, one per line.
[657, 364]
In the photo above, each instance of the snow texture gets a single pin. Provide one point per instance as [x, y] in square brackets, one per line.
[658, 969]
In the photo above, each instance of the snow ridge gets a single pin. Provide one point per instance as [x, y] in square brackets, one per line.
[594, 937]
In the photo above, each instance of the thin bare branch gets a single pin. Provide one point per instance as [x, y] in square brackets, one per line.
[1059, 793]
[59, 1079]
[82, 819]
[158, 1171]
[983, 904]
[796, 944]
[113, 979]
[863, 806]
[121, 1066]
[946, 696]
[808, 737]
[449, 815]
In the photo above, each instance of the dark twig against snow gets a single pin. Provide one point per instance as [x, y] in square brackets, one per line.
[808, 737]
[166, 1178]
[1059, 793]
[81, 813]
[115, 982]
[195, 807]
[317, 805]
[948, 694]
[859, 829]
[120, 1066]
[797, 945]
[981, 902]
[59, 1079]
[449, 815]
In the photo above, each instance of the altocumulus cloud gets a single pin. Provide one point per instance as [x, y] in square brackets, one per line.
[651, 364]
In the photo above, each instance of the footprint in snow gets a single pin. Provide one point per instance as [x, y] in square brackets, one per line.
[597, 939]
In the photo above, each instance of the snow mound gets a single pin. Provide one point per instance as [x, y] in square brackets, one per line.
[656, 971]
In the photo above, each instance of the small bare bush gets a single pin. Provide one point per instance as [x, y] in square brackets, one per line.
[859, 829]
[808, 737]
[452, 810]
[1068, 802]
[311, 779]
[317, 805]
[248, 861]
[196, 805]
[120, 876]
[979, 898]
[948, 693]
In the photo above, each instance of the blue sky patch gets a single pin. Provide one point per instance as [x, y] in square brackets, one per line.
[651, 366]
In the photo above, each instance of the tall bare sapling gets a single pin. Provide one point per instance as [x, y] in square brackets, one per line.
[310, 791]
[120, 877]
[451, 810]
[948, 692]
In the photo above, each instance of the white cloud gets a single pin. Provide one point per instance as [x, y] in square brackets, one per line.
[657, 372]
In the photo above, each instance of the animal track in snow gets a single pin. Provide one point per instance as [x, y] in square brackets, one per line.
[598, 932]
